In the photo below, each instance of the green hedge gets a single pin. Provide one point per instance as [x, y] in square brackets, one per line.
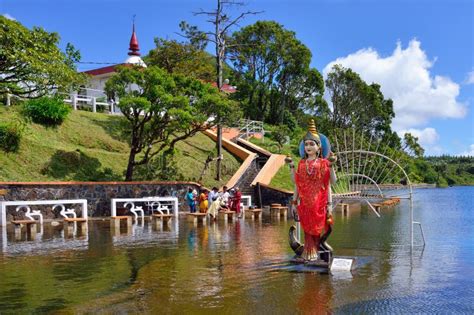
[47, 111]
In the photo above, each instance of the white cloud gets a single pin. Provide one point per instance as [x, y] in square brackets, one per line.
[426, 137]
[8, 16]
[469, 152]
[470, 77]
[434, 150]
[404, 76]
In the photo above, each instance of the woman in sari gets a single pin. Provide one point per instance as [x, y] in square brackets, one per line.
[203, 203]
[236, 201]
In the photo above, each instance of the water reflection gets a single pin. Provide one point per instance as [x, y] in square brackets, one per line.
[47, 238]
[242, 267]
[316, 294]
[145, 233]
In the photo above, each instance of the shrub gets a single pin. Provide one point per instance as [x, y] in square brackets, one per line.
[10, 136]
[281, 135]
[47, 111]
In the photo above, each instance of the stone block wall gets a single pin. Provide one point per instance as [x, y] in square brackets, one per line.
[98, 194]
[267, 195]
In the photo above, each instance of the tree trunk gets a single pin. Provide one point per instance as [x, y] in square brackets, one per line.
[130, 166]
[220, 48]
[219, 151]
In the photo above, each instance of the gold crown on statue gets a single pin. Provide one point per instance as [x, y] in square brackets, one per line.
[312, 133]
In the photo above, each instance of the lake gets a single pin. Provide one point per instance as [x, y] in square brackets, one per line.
[243, 267]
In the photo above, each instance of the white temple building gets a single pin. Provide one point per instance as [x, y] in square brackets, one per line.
[99, 76]
[92, 95]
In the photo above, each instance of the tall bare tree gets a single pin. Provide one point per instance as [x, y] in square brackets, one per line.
[222, 24]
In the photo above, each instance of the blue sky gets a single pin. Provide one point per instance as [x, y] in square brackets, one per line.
[420, 51]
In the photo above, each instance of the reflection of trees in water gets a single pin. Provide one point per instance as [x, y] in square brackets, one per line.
[14, 298]
[140, 257]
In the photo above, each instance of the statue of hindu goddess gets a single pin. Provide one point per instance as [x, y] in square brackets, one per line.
[312, 196]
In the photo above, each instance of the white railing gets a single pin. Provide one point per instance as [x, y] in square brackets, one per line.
[4, 204]
[249, 127]
[90, 98]
[86, 98]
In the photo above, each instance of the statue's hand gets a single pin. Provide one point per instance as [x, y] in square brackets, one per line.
[329, 218]
[332, 157]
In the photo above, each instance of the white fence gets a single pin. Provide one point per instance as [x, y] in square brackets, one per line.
[90, 98]
[85, 98]
[249, 127]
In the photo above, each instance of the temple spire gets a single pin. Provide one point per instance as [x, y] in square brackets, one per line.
[134, 55]
[134, 48]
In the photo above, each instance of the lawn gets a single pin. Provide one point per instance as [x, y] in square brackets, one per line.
[90, 147]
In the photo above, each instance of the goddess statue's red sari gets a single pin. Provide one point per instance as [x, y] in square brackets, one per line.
[312, 181]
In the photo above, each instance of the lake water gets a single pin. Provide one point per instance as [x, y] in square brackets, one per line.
[243, 267]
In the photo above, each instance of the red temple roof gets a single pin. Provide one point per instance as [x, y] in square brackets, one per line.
[226, 87]
[103, 70]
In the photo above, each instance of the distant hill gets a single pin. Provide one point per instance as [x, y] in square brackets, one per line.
[453, 170]
[89, 147]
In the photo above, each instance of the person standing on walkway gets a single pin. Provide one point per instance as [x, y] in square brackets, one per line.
[224, 195]
[236, 201]
[203, 203]
[191, 201]
[213, 194]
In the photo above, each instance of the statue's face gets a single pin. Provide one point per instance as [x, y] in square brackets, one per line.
[311, 147]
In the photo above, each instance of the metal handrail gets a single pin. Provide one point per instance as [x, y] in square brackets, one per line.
[248, 127]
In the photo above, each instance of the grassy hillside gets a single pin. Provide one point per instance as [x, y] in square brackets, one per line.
[89, 147]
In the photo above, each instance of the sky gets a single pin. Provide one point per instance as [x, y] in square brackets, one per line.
[421, 52]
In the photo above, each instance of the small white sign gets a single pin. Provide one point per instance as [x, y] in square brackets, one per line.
[343, 264]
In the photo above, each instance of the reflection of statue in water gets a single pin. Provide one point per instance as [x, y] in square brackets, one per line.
[312, 196]
[316, 295]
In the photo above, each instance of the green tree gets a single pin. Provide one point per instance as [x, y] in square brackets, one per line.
[357, 104]
[411, 145]
[222, 22]
[272, 68]
[183, 58]
[162, 109]
[441, 168]
[31, 63]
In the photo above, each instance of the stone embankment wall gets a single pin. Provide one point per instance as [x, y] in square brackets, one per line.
[98, 194]
[267, 195]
